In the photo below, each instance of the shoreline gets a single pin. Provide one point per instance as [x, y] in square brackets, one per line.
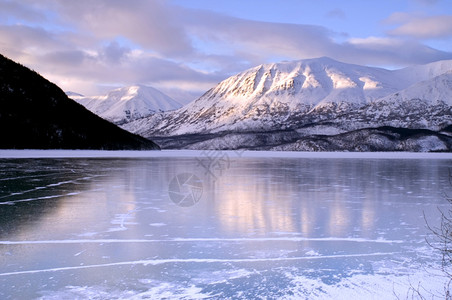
[5, 154]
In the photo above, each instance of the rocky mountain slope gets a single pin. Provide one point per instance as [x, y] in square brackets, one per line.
[309, 98]
[128, 103]
[36, 114]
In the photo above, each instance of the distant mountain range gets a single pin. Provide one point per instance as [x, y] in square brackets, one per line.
[127, 104]
[36, 114]
[306, 105]
[315, 105]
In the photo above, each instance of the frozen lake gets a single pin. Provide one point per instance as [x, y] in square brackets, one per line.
[220, 225]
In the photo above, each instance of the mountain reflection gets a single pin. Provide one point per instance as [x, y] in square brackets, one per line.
[272, 196]
[336, 198]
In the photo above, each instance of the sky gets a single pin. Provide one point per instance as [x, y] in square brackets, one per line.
[185, 47]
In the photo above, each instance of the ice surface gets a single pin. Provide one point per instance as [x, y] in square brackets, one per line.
[302, 226]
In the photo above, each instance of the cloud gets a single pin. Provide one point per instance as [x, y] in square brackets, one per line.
[421, 27]
[294, 41]
[132, 68]
[21, 41]
[149, 24]
[114, 52]
[265, 40]
[83, 45]
[14, 11]
[391, 51]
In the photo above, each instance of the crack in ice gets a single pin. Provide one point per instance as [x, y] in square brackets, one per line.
[197, 260]
[289, 239]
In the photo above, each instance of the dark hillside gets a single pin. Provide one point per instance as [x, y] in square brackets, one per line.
[36, 114]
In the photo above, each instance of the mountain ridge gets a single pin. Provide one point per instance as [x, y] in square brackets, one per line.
[306, 95]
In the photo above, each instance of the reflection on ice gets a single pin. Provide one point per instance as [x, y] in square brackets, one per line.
[276, 227]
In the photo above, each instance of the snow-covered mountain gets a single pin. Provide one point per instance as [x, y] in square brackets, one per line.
[128, 103]
[309, 97]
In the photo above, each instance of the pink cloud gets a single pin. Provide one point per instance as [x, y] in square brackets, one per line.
[116, 42]
[421, 27]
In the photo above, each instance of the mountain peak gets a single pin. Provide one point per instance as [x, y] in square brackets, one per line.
[129, 103]
[309, 81]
